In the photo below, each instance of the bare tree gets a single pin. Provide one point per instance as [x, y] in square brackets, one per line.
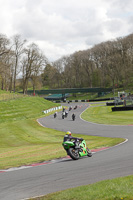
[4, 42]
[18, 48]
[38, 66]
[4, 60]
[67, 74]
[32, 65]
[88, 67]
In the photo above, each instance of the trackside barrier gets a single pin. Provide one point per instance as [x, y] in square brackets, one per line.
[52, 109]
[59, 101]
[69, 101]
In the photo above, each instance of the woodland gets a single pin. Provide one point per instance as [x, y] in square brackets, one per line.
[24, 66]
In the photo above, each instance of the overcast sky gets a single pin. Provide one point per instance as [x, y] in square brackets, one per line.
[61, 27]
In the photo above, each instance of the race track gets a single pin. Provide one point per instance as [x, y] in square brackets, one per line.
[107, 164]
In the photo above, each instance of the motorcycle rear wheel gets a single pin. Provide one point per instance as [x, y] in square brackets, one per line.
[73, 153]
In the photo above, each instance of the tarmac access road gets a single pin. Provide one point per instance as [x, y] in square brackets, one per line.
[41, 180]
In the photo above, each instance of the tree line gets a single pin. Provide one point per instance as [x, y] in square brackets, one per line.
[19, 63]
[108, 64]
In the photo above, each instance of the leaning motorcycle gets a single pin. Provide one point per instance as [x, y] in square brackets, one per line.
[74, 152]
[73, 117]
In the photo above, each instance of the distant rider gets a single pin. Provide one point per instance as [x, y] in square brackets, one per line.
[73, 116]
[70, 108]
[55, 114]
[66, 113]
[63, 114]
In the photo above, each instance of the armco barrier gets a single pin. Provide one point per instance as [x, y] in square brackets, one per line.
[105, 99]
[113, 103]
[52, 109]
[123, 108]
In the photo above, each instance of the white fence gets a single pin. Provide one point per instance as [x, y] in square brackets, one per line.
[52, 109]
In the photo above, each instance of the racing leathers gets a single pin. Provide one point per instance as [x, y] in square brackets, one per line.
[76, 140]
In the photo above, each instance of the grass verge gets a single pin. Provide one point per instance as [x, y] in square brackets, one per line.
[104, 115]
[115, 189]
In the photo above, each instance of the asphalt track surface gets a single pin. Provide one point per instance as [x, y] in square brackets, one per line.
[40, 180]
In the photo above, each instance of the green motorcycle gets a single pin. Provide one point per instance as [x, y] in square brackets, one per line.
[76, 152]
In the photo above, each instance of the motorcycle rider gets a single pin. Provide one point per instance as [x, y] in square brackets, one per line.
[73, 116]
[69, 137]
[70, 108]
[66, 113]
[75, 107]
[55, 114]
[63, 115]
[63, 110]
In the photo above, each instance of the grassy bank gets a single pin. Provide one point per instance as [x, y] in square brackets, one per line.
[23, 141]
[115, 189]
[104, 115]
[82, 96]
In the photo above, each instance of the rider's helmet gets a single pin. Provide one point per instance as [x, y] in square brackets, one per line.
[68, 133]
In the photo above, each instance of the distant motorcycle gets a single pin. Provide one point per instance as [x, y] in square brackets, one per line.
[75, 107]
[66, 113]
[73, 116]
[63, 115]
[70, 108]
[55, 115]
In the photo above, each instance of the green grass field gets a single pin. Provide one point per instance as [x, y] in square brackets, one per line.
[90, 96]
[104, 115]
[82, 96]
[115, 189]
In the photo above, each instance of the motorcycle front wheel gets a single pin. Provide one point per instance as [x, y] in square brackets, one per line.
[73, 153]
[89, 153]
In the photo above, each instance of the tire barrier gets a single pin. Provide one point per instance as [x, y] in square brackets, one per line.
[52, 109]
[123, 108]
[113, 103]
